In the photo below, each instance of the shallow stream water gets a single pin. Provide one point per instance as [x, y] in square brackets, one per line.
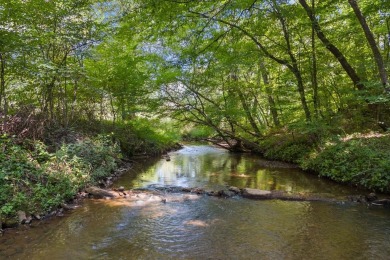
[201, 227]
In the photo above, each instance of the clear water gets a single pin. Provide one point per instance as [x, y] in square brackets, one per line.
[201, 227]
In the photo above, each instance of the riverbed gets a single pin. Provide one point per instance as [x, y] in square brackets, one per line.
[188, 226]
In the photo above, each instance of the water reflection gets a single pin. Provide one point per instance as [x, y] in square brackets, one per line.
[213, 168]
[189, 226]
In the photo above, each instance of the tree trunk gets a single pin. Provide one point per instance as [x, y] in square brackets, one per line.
[3, 98]
[2, 79]
[371, 41]
[314, 68]
[332, 48]
[294, 63]
[271, 101]
[74, 99]
[248, 113]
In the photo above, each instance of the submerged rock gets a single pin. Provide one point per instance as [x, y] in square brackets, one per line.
[226, 193]
[197, 190]
[69, 206]
[212, 193]
[381, 202]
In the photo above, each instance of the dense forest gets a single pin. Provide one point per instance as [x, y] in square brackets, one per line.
[85, 82]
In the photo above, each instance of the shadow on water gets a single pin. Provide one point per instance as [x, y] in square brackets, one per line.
[199, 227]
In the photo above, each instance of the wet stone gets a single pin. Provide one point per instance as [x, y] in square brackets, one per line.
[256, 194]
[381, 202]
[227, 193]
[99, 193]
[234, 189]
[22, 216]
[198, 190]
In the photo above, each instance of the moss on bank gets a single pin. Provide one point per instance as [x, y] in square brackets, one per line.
[360, 159]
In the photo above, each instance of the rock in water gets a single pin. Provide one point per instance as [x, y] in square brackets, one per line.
[22, 217]
[256, 194]
[381, 202]
[235, 189]
[227, 193]
[99, 193]
[371, 197]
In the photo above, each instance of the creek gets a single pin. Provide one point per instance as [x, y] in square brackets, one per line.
[188, 226]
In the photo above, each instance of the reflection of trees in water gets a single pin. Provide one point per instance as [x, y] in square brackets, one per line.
[235, 160]
[240, 170]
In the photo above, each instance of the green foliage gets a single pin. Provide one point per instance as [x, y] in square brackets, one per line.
[198, 133]
[289, 148]
[37, 181]
[142, 136]
[361, 161]
[91, 159]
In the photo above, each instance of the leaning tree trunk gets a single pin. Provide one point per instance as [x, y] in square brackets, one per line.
[294, 63]
[371, 41]
[332, 48]
[271, 101]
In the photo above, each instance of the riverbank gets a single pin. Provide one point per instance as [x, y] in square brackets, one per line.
[39, 181]
[357, 159]
[36, 182]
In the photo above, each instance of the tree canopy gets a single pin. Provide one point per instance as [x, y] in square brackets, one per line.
[239, 69]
